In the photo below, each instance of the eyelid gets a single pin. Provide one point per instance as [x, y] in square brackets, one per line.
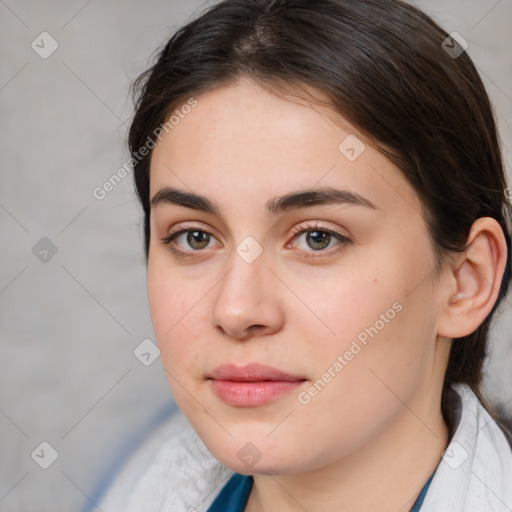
[184, 227]
[312, 225]
[178, 230]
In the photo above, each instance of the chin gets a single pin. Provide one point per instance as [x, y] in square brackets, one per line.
[256, 455]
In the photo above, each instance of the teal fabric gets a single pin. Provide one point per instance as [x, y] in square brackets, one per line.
[419, 501]
[235, 493]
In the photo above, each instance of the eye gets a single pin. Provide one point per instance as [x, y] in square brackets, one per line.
[319, 239]
[186, 243]
[194, 238]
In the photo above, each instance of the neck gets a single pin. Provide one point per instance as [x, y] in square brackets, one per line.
[386, 474]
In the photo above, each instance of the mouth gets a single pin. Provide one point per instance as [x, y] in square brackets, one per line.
[251, 385]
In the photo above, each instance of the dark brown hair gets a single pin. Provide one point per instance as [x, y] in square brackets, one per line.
[384, 67]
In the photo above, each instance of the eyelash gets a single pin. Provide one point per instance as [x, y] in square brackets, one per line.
[299, 230]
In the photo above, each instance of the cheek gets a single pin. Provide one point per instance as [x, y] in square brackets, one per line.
[363, 376]
[176, 313]
[376, 336]
[343, 302]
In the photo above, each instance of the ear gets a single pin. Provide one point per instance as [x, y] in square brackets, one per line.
[474, 280]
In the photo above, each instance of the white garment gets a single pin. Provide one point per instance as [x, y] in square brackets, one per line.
[174, 472]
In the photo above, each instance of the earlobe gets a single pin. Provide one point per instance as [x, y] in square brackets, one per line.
[475, 281]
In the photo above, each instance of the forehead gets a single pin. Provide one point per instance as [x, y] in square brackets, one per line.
[246, 140]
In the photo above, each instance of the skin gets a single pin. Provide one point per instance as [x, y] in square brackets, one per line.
[373, 435]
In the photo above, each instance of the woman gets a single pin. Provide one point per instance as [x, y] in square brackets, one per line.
[327, 234]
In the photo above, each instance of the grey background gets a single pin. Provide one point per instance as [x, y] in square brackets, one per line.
[69, 326]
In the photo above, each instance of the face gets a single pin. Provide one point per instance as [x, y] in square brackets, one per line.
[307, 253]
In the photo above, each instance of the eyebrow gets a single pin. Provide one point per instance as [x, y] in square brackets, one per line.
[291, 201]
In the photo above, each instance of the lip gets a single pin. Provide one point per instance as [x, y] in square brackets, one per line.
[252, 384]
[251, 372]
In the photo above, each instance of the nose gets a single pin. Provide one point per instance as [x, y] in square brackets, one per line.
[247, 303]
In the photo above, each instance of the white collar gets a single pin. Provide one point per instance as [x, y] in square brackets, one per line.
[475, 473]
